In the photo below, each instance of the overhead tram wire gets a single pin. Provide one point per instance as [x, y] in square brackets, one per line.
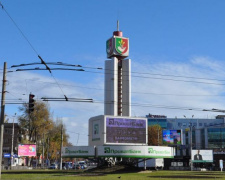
[42, 61]
[167, 107]
[180, 80]
[47, 68]
[39, 69]
[3, 8]
[160, 94]
[21, 32]
[133, 72]
[68, 99]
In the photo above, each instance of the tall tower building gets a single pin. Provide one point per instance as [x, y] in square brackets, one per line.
[117, 76]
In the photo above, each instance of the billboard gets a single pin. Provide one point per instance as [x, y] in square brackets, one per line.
[172, 137]
[26, 149]
[126, 130]
[135, 151]
[202, 156]
[78, 151]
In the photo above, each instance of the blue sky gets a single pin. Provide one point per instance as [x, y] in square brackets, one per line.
[179, 38]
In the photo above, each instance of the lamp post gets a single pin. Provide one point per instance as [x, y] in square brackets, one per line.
[43, 150]
[61, 146]
[191, 127]
[12, 142]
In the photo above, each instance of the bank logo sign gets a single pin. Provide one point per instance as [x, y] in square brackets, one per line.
[126, 131]
[96, 130]
[153, 151]
[127, 123]
[78, 151]
[121, 151]
[135, 151]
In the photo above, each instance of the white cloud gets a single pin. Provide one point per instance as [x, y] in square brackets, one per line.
[152, 90]
[198, 95]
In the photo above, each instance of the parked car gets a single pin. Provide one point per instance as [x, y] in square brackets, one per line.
[76, 166]
[66, 165]
[53, 166]
[82, 164]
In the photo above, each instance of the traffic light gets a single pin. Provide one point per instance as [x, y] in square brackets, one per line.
[31, 103]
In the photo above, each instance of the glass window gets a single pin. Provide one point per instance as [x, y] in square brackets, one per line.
[216, 137]
[200, 124]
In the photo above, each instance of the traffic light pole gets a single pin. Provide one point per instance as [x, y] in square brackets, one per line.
[2, 114]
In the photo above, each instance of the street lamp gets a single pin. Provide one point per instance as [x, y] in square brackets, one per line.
[12, 142]
[191, 126]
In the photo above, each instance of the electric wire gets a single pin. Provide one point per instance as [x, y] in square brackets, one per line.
[47, 68]
[42, 61]
[3, 8]
[136, 76]
[114, 71]
[133, 92]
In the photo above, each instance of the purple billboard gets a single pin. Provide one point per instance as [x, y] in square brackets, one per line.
[123, 130]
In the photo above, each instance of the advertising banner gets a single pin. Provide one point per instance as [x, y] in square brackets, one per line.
[160, 152]
[172, 137]
[135, 151]
[124, 130]
[26, 149]
[78, 151]
[202, 156]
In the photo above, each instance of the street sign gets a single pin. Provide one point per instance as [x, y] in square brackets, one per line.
[7, 155]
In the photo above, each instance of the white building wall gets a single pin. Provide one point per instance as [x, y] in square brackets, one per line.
[126, 87]
[111, 87]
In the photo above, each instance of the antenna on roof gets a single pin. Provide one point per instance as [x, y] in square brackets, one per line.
[117, 25]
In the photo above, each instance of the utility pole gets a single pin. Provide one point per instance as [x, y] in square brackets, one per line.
[191, 148]
[61, 147]
[12, 143]
[43, 151]
[2, 114]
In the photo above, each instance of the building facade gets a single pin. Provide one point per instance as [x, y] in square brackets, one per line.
[10, 141]
[206, 134]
